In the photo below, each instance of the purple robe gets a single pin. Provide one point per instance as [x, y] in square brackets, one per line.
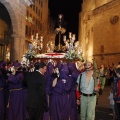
[25, 112]
[2, 96]
[59, 98]
[74, 73]
[15, 102]
[48, 77]
[16, 63]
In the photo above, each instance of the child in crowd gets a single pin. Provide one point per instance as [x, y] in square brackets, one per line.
[112, 103]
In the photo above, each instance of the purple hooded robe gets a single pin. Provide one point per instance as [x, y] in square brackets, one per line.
[2, 96]
[59, 97]
[15, 101]
[48, 76]
[74, 73]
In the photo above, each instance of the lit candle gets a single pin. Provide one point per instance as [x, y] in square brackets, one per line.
[64, 38]
[60, 16]
[36, 35]
[51, 43]
[32, 37]
[73, 36]
[41, 38]
[41, 45]
[70, 34]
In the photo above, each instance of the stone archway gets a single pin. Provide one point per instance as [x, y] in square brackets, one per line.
[17, 12]
[5, 33]
[9, 7]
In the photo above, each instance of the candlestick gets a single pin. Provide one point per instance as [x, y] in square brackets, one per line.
[70, 34]
[36, 35]
[73, 36]
[32, 37]
[41, 38]
[64, 38]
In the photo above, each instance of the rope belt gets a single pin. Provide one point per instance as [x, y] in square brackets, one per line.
[15, 89]
[9, 95]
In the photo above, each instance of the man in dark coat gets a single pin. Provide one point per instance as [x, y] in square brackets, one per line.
[36, 99]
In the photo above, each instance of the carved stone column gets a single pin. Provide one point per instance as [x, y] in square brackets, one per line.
[17, 49]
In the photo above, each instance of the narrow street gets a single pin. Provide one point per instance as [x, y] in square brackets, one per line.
[103, 111]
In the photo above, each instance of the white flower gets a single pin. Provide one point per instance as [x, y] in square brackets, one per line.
[73, 54]
[30, 54]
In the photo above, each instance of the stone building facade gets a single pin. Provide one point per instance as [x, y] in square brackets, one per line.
[37, 18]
[16, 10]
[99, 28]
[19, 19]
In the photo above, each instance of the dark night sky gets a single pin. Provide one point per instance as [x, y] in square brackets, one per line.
[70, 9]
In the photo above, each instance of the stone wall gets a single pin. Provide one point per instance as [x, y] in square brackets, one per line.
[99, 32]
[17, 12]
[106, 33]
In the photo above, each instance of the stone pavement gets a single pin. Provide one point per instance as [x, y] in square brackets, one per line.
[103, 111]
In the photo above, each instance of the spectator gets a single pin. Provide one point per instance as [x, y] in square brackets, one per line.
[88, 97]
[112, 103]
[102, 76]
[36, 99]
[117, 93]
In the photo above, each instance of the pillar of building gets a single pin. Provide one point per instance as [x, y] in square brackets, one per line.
[17, 49]
[17, 12]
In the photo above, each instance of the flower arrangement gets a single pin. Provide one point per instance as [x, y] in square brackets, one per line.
[70, 54]
[74, 53]
[30, 54]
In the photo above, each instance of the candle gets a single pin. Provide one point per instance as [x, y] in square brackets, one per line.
[36, 35]
[73, 36]
[32, 37]
[70, 34]
[60, 16]
[51, 43]
[41, 38]
[41, 46]
[64, 38]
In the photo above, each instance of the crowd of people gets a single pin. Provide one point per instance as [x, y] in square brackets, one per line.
[48, 91]
[114, 97]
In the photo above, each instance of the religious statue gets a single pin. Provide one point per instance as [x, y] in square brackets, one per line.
[60, 29]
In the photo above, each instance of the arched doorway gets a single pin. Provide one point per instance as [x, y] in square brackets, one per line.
[5, 33]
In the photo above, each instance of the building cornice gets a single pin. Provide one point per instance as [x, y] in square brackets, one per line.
[107, 54]
[106, 6]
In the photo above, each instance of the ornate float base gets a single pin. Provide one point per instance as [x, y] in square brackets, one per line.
[56, 57]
